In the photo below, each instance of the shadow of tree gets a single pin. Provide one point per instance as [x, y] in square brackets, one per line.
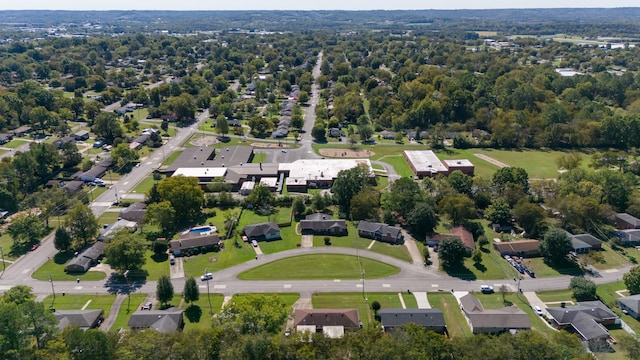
[193, 313]
[62, 257]
[160, 257]
[480, 267]
[117, 284]
[461, 272]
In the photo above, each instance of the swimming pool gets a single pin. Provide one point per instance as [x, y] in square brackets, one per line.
[201, 230]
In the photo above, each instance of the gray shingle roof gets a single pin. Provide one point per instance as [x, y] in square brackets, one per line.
[588, 239]
[79, 318]
[164, 321]
[381, 228]
[261, 229]
[400, 317]
[585, 318]
[327, 317]
[632, 302]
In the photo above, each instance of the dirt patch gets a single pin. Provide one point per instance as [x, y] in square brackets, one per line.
[491, 160]
[347, 153]
[205, 141]
[271, 145]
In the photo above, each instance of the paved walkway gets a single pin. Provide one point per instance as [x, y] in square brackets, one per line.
[113, 313]
[421, 299]
[404, 306]
[373, 242]
[307, 241]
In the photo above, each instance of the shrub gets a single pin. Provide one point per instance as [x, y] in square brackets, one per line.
[327, 240]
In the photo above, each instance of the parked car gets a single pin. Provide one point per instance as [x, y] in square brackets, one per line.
[172, 259]
[34, 246]
[206, 276]
[147, 306]
[538, 310]
[287, 332]
[486, 289]
[254, 243]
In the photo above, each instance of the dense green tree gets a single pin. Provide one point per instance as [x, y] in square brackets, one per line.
[402, 197]
[185, 195]
[298, 207]
[191, 292]
[458, 208]
[531, 217]
[222, 126]
[460, 182]
[319, 133]
[107, 126]
[261, 197]
[348, 184]
[451, 252]
[123, 157]
[125, 251]
[498, 212]
[62, 239]
[162, 214]
[632, 280]
[26, 230]
[365, 205]
[422, 220]
[254, 314]
[555, 246]
[164, 290]
[82, 224]
[510, 175]
[583, 289]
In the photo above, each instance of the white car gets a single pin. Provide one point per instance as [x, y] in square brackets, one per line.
[538, 310]
[206, 276]
[254, 243]
[486, 289]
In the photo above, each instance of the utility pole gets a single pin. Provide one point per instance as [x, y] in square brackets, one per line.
[52, 289]
[126, 279]
[208, 294]
[4, 265]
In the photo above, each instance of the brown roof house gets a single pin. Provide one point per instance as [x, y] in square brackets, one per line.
[323, 224]
[164, 321]
[460, 232]
[84, 319]
[195, 238]
[134, 212]
[524, 248]
[483, 321]
[587, 318]
[380, 232]
[624, 221]
[331, 322]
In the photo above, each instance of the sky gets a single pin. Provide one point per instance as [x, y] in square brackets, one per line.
[304, 5]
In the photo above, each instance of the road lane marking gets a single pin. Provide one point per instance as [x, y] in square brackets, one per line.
[386, 285]
[220, 287]
[358, 285]
[435, 285]
[336, 280]
[25, 271]
[77, 287]
[287, 286]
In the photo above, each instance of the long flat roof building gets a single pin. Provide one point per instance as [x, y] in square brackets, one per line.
[426, 163]
[321, 170]
[209, 157]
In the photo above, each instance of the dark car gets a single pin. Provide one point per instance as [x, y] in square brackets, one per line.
[34, 246]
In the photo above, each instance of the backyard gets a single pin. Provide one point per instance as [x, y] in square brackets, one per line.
[362, 302]
[456, 323]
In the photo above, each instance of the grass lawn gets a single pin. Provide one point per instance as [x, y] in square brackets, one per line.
[355, 300]
[399, 163]
[325, 266]
[397, 251]
[610, 258]
[155, 266]
[145, 185]
[556, 295]
[94, 192]
[259, 157]
[495, 301]
[108, 217]
[456, 323]
[289, 241]
[542, 269]
[540, 164]
[123, 315]
[288, 298]
[6, 242]
[197, 317]
[171, 158]
[381, 182]
[77, 302]
[15, 143]
[55, 268]
[229, 256]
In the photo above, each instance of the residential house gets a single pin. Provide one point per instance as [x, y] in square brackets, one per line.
[5, 138]
[163, 321]
[579, 246]
[588, 318]
[63, 141]
[630, 305]
[523, 248]
[628, 237]
[84, 319]
[387, 135]
[108, 231]
[625, 221]
[594, 242]
[430, 319]
[134, 212]
[483, 321]
[465, 236]
[332, 322]
[262, 231]
[22, 131]
[97, 171]
[322, 224]
[380, 232]
[81, 135]
[87, 258]
[192, 240]
[73, 186]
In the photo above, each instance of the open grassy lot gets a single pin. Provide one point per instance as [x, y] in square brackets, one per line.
[197, 313]
[55, 268]
[259, 157]
[15, 143]
[171, 158]
[108, 217]
[396, 251]
[231, 255]
[77, 302]
[319, 266]
[356, 300]
[399, 163]
[456, 323]
[556, 295]
[542, 269]
[610, 258]
[249, 217]
[289, 241]
[495, 301]
[6, 241]
[156, 266]
[123, 314]
[145, 185]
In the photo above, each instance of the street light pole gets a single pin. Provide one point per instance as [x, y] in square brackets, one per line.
[208, 294]
[52, 289]
[4, 265]
[126, 279]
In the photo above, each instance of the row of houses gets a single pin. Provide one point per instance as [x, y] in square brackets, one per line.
[163, 321]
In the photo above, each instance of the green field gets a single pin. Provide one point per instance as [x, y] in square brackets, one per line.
[456, 323]
[6, 242]
[156, 266]
[145, 185]
[198, 317]
[399, 163]
[123, 314]
[319, 267]
[77, 302]
[171, 158]
[259, 157]
[15, 143]
[556, 295]
[213, 261]
[356, 300]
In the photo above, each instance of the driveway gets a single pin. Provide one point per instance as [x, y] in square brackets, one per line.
[307, 241]
[534, 300]
[177, 270]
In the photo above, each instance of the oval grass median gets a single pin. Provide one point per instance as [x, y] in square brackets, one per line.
[320, 267]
